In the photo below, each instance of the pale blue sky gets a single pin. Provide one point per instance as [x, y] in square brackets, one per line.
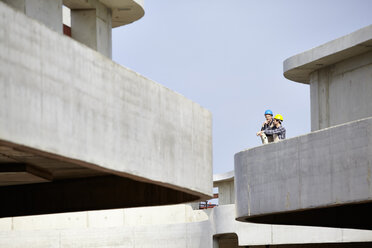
[228, 57]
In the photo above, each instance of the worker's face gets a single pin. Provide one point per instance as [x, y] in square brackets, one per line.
[269, 117]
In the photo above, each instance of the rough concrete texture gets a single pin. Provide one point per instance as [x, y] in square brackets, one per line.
[328, 168]
[63, 99]
[47, 12]
[341, 92]
[170, 226]
[299, 67]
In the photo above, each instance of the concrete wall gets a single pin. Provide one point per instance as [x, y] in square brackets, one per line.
[327, 168]
[72, 102]
[341, 92]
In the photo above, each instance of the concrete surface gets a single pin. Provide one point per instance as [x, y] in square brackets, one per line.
[225, 184]
[312, 179]
[168, 226]
[123, 11]
[342, 92]
[70, 107]
[47, 12]
[299, 67]
[92, 27]
[91, 21]
[340, 77]
[251, 234]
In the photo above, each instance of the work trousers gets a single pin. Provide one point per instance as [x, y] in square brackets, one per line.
[269, 139]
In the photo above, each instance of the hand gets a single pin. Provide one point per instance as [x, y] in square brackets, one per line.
[259, 133]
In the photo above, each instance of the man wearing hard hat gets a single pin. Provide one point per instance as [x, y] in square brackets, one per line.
[267, 124]
[277, 130]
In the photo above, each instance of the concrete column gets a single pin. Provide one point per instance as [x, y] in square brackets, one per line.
[45, 11]
[341, 92]
[92, 27]
[226, 194]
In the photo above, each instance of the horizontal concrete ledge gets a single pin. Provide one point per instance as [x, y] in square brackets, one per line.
[227, 176]
[299, 67]
[73, 113]
[71, 195]
[296, 180]
[123, 11]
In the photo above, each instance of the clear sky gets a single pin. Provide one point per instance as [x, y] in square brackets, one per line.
[228, 57]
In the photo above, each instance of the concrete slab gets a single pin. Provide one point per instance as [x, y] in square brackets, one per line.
[312, 179]
[68, 108]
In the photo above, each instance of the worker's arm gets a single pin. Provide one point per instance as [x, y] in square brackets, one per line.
[268, 131]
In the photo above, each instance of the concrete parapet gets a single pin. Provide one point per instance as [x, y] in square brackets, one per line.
[319, 179]
[100, 135]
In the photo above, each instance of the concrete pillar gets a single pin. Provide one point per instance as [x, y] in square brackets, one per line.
[47, 12]
[92, 27]
[226, 194]
[341, 92]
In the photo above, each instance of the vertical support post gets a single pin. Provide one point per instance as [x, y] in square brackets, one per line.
[92, 27]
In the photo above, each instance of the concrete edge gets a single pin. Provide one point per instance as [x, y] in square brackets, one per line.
[226, 176]
[201, 195]
[298, 67]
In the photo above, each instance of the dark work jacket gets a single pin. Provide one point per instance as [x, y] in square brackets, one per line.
[267, 126]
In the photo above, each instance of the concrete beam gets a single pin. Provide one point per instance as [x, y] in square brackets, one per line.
[309, 180]
[74, 107]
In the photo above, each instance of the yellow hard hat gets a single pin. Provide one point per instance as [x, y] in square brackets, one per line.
[279, 117]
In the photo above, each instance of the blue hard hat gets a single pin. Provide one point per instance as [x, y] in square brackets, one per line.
[268, 112]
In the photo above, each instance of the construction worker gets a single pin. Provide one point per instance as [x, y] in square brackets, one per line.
[278, 131]
[267, 124]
